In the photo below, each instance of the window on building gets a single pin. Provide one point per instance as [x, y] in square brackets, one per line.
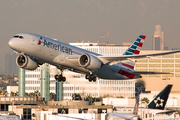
[85, 110]
[142, 60]
[177, 55]
[155, 70]
[154, 75]
[4, 107]
[154, 65]
[177, 70]
[168, 60]
[177, 60]
[168, 75]
[177, 75]
[154, 60]
[63, 110]
[177, 65]
[168, 56]
[141, 65]
[168, 65]
[26, 113]
[167, 70]
[103, 110]
[141, 69]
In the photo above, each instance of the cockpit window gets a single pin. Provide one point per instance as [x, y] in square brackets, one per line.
[17, 36]
[21, 37]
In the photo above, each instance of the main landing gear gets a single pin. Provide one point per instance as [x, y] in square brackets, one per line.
[60, 78]
[91, 78]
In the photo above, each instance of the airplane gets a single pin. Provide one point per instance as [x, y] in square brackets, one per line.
[34, 50]
[160, 100]
[126, 116]
[157, 105]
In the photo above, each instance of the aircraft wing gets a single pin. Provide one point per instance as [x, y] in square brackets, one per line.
[127, 57]
[149, 72]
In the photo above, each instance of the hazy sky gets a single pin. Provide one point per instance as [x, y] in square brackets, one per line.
[73, 20]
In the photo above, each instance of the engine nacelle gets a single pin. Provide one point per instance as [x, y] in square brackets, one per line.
[89, 62]
[26, 62]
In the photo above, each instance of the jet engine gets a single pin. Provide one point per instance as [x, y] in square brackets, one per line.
[26, 62]
[89, 62]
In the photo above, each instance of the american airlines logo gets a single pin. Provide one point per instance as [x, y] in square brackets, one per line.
[54, 46]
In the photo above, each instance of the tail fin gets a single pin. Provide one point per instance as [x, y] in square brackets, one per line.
[137, 103]
[160, 100]
[136, 46]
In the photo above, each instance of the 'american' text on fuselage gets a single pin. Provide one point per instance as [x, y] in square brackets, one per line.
[58, 47]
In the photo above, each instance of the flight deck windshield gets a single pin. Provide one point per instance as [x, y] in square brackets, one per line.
[17, 36]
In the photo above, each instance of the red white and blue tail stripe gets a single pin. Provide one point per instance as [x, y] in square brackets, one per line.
[136, 46]
[129, 65]
[126, 65]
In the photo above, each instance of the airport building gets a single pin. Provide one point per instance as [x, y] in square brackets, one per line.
[10, 64]
[30, 108]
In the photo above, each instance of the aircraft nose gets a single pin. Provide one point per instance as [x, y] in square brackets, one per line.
[12, 43]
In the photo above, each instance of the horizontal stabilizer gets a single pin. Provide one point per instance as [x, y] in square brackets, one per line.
[149, 72]
[168, 112]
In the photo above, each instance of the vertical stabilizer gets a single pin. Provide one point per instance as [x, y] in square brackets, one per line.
[136, 46]
[137, 103]
[134, 49]
[160, 100]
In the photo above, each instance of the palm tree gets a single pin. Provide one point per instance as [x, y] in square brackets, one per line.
[5, 93]
[52, 96]
[12, 93]
[16, 94]
[37, 92]
[76, 96]
[26, 94]
[145, 99]
[31, 94]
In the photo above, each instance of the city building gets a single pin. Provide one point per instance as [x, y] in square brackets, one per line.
[10, 64]
[158, 38]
